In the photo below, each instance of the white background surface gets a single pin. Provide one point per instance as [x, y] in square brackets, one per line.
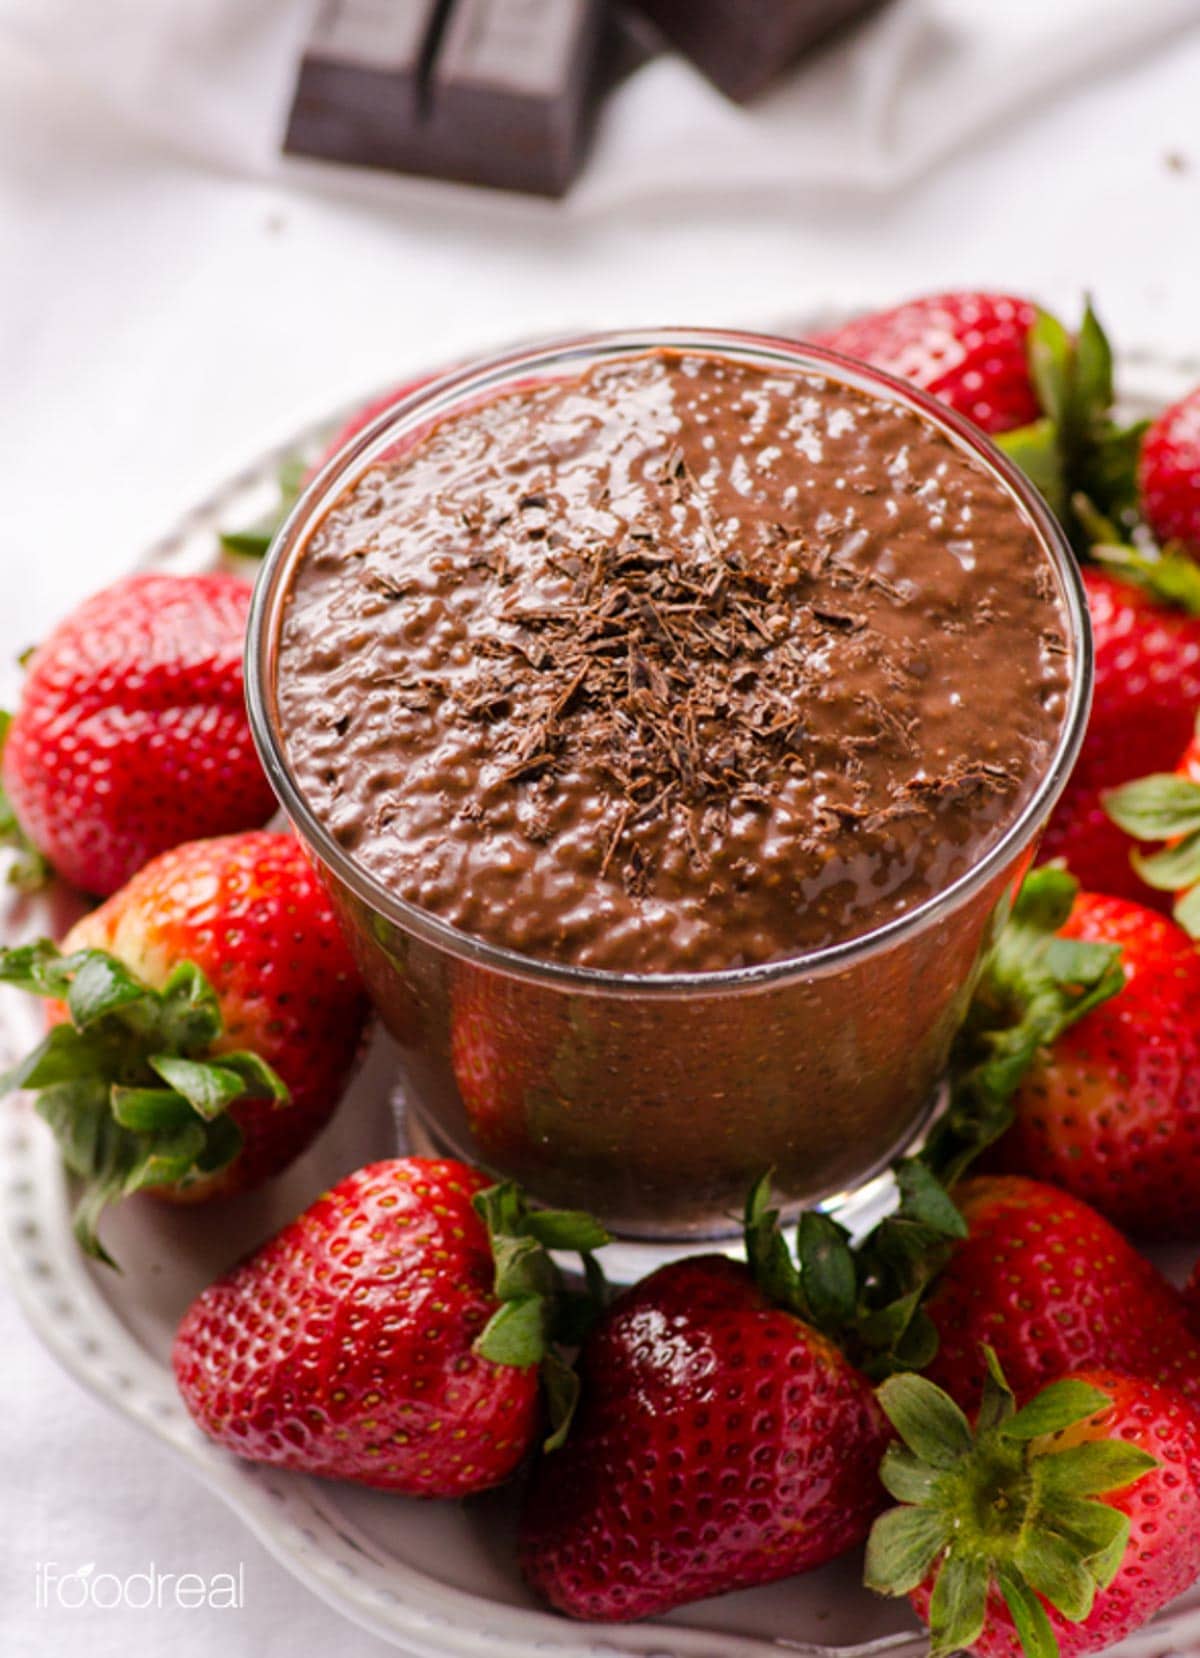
[162, 318]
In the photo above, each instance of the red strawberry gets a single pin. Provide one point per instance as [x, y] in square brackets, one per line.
[362, 418]
[1189, 764]
[349, 1345]
[1169, 473]
[720, 1443]
[1111, 1112]
[1191, 1300]
[968, 349]
[499, 1065]
[296, 473]
[218, 970]
[132, 733]
[1146, 697]
[1058, 1528]
[1052, 1286]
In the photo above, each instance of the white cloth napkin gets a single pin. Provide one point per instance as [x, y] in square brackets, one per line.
[213, 79]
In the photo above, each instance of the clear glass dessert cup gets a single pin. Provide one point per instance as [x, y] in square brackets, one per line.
[654, 1100]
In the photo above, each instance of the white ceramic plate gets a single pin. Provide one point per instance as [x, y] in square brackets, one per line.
[435, 1579]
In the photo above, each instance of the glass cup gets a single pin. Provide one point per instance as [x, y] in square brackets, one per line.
[651, 1099]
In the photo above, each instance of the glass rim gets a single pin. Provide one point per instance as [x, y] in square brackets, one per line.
[445, 394]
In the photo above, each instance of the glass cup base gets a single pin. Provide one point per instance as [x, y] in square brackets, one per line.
[629, 1258]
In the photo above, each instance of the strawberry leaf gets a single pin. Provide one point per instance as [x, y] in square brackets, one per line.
[924, 1199]
[222, 1143]
[767, 1253]
[828, 1272]
[1033, 986]
[906, 1477]
[1076, 448]
[998, 1405]
[1035, 449]
[149, 1109]
[927, 1420]
[538, 1315]
[167, 1158]
[1172, 869]
[100, 1079]
[1056, 1407]
[1155, 808]
[1093, 388]
[515, 1334]
[903, 1547]
[570, 1229]
[253, 541]
[260, 1081]
[1034, 1629]
[100, 985]
[560, 1384]
[209, 1089]
[1186, 911]
[1051, 366]
[1001, 1504]
[1092, 1467]
[1053, 1568]
[28, 870]
[1169, 574]
[957, 1606]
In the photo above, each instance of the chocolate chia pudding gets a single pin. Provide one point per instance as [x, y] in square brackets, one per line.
[671, 716]
[679, 665]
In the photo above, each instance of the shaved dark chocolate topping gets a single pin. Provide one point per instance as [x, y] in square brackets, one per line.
[677, 666]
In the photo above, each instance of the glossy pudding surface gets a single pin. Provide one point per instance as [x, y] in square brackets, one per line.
[677, 665]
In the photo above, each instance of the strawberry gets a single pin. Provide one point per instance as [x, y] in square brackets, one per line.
[296, 473]
[213, 986]
[1191, 1300]
[499, 1066]
[968, 349]
[1057, 1528]
[1146, 696]
[1169, 473]
[1044, 394]
[389, 1335]
[1166, 806]
[131, 734]
[1052, 1286]
[1111, 1112]
[721, 1442]
[1189, 763]
[362, 418]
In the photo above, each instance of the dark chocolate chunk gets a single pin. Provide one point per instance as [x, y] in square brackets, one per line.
[742, 45]
[493, 92]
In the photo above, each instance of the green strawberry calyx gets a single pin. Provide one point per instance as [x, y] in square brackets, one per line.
[868, 1295]
[28, 870]
[1001, 1505]
[1032, 987]
[539, 1318]
[1169, 574]
[255, 538]
[1164, 807]
[1076, 446]
[129, 1084]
